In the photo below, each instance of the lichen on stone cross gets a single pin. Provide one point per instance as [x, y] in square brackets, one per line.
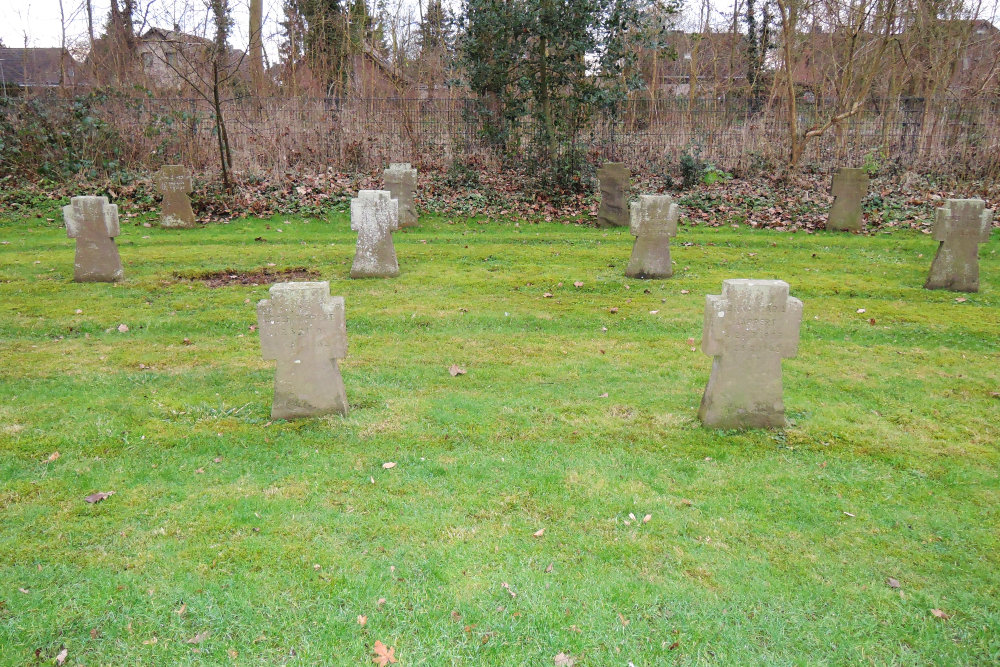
[174, 183]
[748, 330]
[653, 223]
[304, 330]
[613, 178]
[93, 222]
[959, 226]
[401, 181]
[850, 186]
[374, 216]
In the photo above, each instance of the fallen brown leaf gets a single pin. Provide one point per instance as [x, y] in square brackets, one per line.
[52, 457]
[362, 620]
[940, 614]
[578, 283]
[539, 532]
[180, 612]
[388, 464]
[123, 328]
[892, 583]
[99, 496]
[506, 586]
[549, 568]
[61, 658]
[198, 638]
[622, 618]
[383, 654]
[563, 660]
[456, 370]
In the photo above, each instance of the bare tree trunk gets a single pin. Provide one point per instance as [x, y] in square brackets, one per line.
[121, 37]
[220, 11]
[867, 29]
[695, 53]
[734, 43]
[789, 28]
[62, 44]
[546, 103]
[90, 22]
[225, 157]
[256, 45]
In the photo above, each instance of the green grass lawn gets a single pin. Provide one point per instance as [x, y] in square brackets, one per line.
[267, 541]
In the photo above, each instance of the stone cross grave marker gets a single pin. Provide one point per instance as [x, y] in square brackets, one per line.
[93, 222]
[960, 226]
[614, 182]
[653, 222]
[374, 216]
[401, 181]
[304, 330]
[174, 183]
[850, 186]
[748, 330]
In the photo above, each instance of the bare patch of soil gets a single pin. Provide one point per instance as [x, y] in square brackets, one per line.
[262, 276]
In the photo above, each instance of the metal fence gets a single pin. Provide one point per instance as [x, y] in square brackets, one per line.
[298, 134]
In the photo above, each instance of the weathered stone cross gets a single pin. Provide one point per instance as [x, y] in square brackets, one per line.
[613, 178]
[93, 222]
[174, 183]
[960, 225]
[653, 223]
[401, 181]
[850, 186]
[748, 330]
[374, 216]
[304, 330]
